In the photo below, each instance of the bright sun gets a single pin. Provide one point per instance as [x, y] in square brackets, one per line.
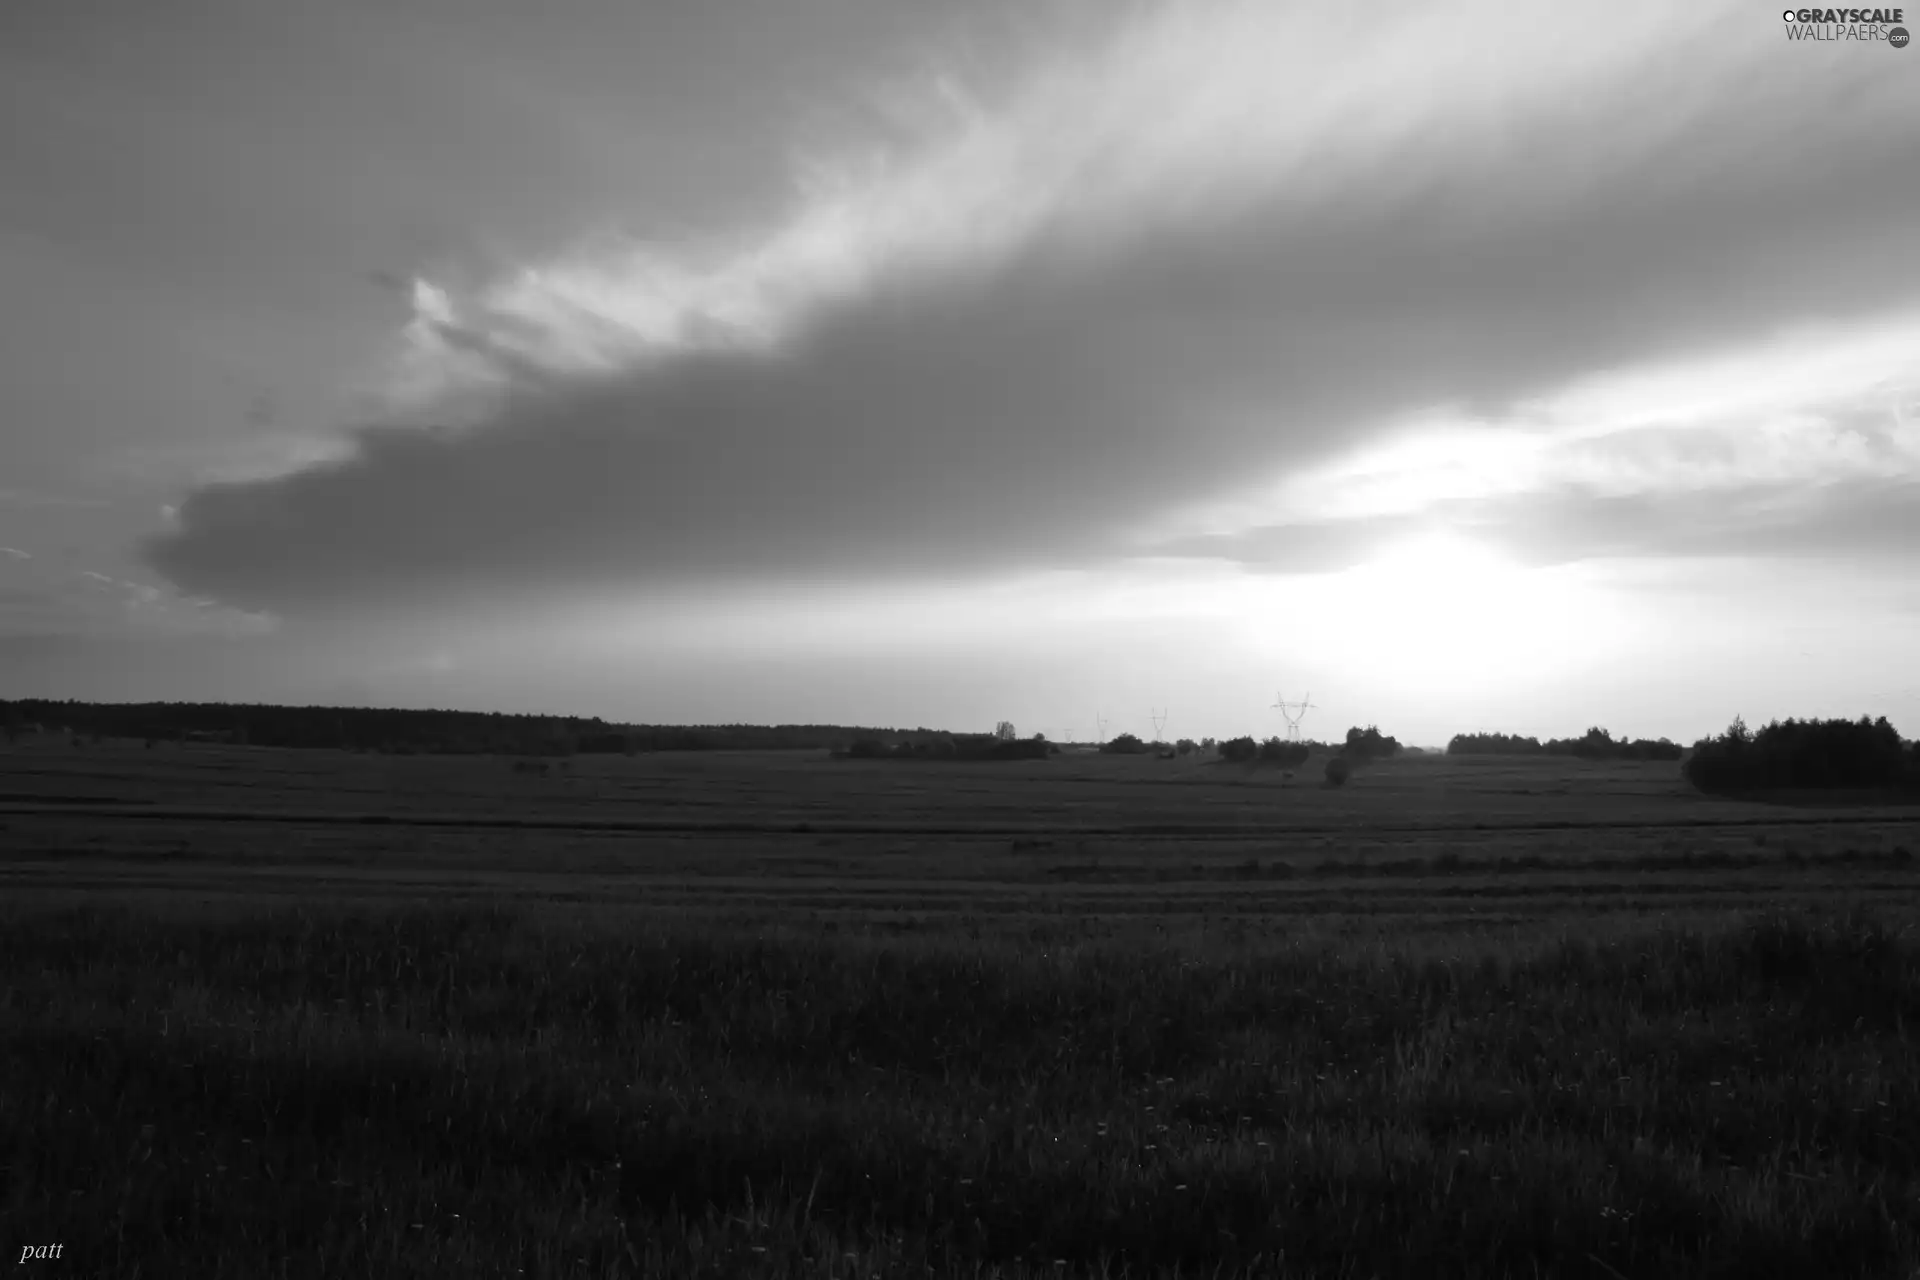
[1440, 570]
[1442, 607]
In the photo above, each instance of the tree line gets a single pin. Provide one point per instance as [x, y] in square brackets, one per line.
[1784, 755]
[1004, 743]
[1791, 755]
[1595, 744]
[410, 731]
[1360, 745]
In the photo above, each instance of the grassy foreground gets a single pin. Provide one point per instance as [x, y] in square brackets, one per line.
[476, 1092]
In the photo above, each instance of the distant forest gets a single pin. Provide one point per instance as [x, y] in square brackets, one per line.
[1594, 744]
[1797, 755]
[403, 731]
[1785, 755]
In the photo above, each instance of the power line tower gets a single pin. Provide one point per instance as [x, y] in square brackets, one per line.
[1293, 713]
[1159, 719]
[1100, 729]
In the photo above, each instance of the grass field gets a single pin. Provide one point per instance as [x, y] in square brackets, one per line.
[277, 1013]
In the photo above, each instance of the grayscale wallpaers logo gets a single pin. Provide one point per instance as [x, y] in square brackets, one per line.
[1866, 26]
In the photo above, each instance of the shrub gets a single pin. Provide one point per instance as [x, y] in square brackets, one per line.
[1369, 744]
[1281, 752]
[1492, 744]
[1124, 745]
[1595, 744]
[1239, 749]
[1339, 769]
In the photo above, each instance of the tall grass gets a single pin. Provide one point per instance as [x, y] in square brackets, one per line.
[480, 1092]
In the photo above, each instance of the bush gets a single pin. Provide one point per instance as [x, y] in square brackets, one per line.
[1281, 752]
[1369, 744]
[1239, 749]
[1339, 769]
[1492, 744]
[1124, 745]
[1595, 744]
[1186, 746]
[1795, 754]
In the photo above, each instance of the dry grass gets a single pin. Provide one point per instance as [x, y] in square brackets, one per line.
[1393, 1045]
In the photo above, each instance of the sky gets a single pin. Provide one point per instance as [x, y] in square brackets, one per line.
[1460, 365]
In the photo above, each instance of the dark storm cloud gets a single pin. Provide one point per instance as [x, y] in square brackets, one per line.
[1031, 408]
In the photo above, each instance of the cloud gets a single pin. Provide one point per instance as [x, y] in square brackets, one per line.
[1809, 442]
[1227, 245]
[1864, 521]
[135, 593]
[40, 599]
[218, 459]
[30, 500]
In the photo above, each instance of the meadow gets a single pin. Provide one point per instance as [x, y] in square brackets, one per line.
[774, 1014]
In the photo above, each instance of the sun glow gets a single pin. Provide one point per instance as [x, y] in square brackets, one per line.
[1444, 608]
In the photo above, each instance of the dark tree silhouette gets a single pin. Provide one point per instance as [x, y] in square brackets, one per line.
[437, 731]
[1369, 744]
[1802, 754]
[1239, 749]
[1277, 750]
[1595, 744]
[1493, 744]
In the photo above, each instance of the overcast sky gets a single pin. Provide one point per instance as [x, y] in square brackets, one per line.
[1465, 365]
